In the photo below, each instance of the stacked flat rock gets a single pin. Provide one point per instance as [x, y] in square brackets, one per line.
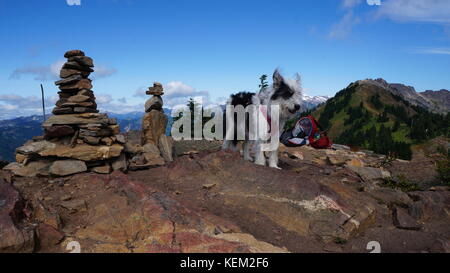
[75, 95]
[157, 148]
[77, 138]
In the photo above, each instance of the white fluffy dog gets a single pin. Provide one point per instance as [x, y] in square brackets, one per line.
[284, 93]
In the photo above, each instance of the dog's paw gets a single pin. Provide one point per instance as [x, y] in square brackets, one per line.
[260, 162]
[248, 158]
[275, 167]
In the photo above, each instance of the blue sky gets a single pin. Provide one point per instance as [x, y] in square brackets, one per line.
[212, 48]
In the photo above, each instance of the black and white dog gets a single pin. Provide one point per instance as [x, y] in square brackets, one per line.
[286, 94]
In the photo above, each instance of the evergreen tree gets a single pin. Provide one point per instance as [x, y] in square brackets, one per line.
[263, 84]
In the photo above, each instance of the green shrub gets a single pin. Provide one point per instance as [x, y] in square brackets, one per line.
[443, 167]
[401, 183]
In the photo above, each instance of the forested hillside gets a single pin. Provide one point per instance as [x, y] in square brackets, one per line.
[371, 117]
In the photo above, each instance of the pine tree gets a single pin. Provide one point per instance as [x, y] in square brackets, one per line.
[263, 82]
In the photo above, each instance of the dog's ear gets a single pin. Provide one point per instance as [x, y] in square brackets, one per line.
[278, 80]
[280, 87]
[298, 79]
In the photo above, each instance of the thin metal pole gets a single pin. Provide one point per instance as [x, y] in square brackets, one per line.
[43, 103]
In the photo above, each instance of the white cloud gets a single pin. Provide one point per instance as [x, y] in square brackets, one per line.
[12, 105]
[342, 29]
[102, 71]
[350, 3]
[140, 92]
[102, 98]
[73, 2]
[176, 93]
[434, 11]
[432, 50]
[40, 72]
[51, 72]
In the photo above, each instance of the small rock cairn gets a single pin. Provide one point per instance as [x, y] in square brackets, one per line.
[157, 148]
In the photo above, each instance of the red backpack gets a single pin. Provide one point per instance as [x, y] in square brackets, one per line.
[318, 138]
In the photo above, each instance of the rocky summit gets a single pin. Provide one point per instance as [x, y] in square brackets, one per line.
[206, 200]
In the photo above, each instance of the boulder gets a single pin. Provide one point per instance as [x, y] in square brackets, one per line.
[165, 145]
[340, 147]
[20, 158]
[97, 132]
[67, 167]
[88, 104]
[48, 236]
[84, 152]
[77, 66]
[355, 162]
[156, 90]
[105, 169]
[120, 164]
[46, 216]
[72, 53]
[115, 128]
[86, 92]
[133, 148]
[91, 140]
[369, 173]
[35, 147]
[14, 236]
[77, 119]
[121, 139]
[69, 80]
[403, 220]
[60, 102]
[153, 159]
[107, 141]
[153, 126]
[32, 169]
[337, 159]
[154, 103]
[62, 111]
[74, 205]
[64, 73]
[82, 60]
[84, 110]
[151, 148]
[58, 131]
[81, 84]
[79, 98]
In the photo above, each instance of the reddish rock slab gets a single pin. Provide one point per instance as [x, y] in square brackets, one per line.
[13, 236]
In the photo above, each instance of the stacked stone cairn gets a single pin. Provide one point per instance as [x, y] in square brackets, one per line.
[77, 138]
[156, 147]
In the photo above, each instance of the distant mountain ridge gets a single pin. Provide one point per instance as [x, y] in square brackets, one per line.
[311, 102]
[385, 118]
[433, 101]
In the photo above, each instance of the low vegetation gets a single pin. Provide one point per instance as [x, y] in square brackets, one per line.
[401, 183]
[443, 166]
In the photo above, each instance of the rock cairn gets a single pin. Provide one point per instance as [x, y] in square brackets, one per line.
[157, 148]
[77, 138]
[76, 95]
